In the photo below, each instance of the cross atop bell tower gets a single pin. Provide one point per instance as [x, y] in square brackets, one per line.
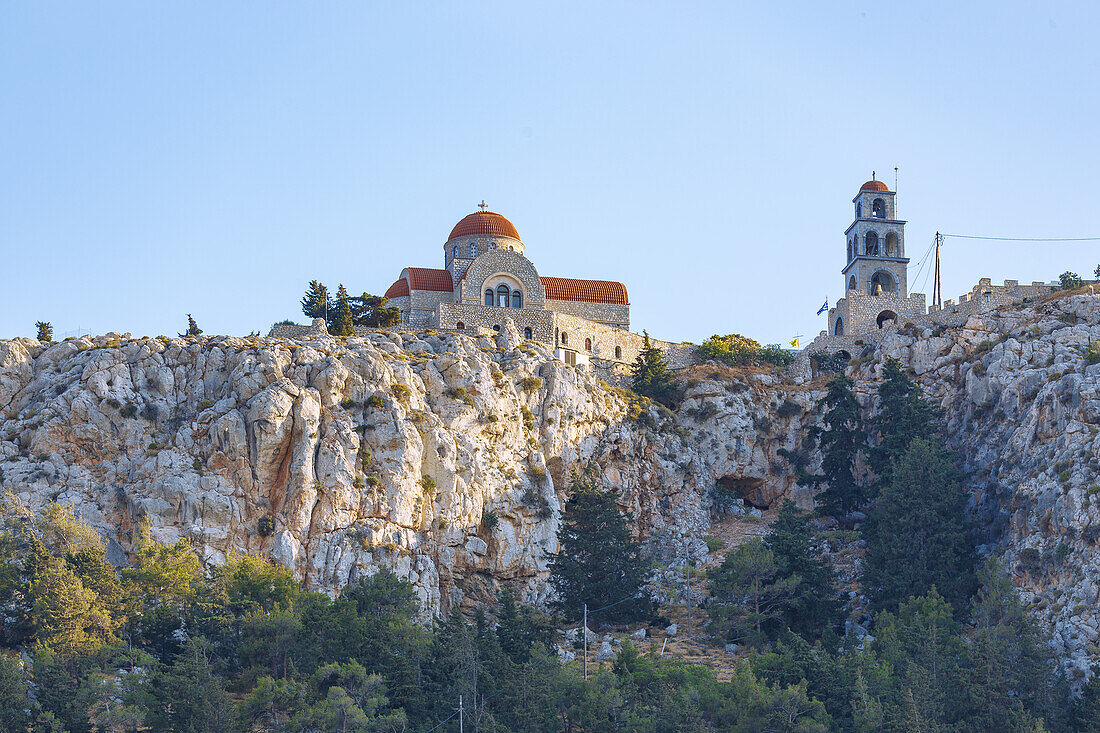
[876, 262]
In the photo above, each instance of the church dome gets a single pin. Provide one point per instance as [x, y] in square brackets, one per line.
[874, 186]
[484, 224]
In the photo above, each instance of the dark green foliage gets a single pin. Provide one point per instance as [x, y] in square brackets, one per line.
[371, 310]
[651, 377]
[342, 323]
[315, 303]
[815, 606]
[903, 415]
[192, 327]
[187, 695]
[751, 594]
[45, 330]
[598, 562]
[841, 441]
[829, 363]
[736, 350]
[916, 536]
[1069, 280]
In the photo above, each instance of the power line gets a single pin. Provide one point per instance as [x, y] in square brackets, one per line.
[1027, 239]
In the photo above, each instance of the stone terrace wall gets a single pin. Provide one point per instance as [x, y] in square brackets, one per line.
[479, 316]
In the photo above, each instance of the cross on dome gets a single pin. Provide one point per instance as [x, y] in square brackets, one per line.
[483, 205]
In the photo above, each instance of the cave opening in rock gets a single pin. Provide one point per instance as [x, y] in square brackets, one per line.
[750, 489]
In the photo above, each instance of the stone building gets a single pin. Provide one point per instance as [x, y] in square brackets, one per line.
[487, 282]
[875, 282]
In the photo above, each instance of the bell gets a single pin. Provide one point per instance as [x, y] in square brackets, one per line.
[878, 289]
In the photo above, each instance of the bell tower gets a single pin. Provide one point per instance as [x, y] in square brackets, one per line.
[876, 262]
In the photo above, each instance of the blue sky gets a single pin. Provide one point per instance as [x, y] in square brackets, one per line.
[158, 159]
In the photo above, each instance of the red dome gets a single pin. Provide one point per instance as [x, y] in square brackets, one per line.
[484, 224]
[874, 186]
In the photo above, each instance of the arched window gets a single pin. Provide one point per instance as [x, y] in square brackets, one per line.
[849, 249]
[878, 209]
[517, 299]
[496, 328]
[460, 326]
[504, 296]
[473, 250]
[870, 244]
[884, 280]
[588, 344]
[892, 245]
[852, 282]
[838, 329]
[618, 352]
[564, 338]
[859, 210]
[488, 296]
[886, 317]
[527, 333]
[454, 252]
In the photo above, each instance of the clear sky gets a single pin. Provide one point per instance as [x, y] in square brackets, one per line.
[158, 159]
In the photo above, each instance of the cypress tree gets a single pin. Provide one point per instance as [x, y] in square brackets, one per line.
[598, 562]
[815, 606]
[903, 415]
[651, 376]
[342, 322]
[45, 330]
[841, 442]
[315, 303]
[192, 327]
[915, 533]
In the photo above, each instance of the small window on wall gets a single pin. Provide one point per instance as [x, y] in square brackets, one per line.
[618, 352]
[588, 344]
[460, 326]
[454, 252]
[517, 299]
[473, 250]
[564, 338]
[488, 297]
[527, 333]
[496, 328]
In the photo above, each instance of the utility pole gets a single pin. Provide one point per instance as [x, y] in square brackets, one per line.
[687, 593]
[586, 641]
[460, 712]
[937, 291]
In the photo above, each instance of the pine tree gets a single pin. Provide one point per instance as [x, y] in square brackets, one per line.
[815, 606]
[45, 331]
[192, 327]
[841, 442]
[650, 374]
[598, 562]
[903, 415]
[342, 323]
[915, 533]
[751, 594]
[315, 304]
[372, 311]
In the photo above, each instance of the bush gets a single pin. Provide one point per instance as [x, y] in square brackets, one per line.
[347, 403]
[45, 331]
[789, 408]
[536, 473]
[129, 410]
[1061, 552]
[376, 401]
[489, 520]
[373, 481]
[428, 484]
[265, 526]
[1092, 354]
[198, 465]
[401, 392]
[530, 383]
[829, 363]
[737, 350]
[1069, 280]
[713, 543]
[205, 405]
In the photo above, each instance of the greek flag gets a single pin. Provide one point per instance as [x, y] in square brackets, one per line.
[824, 308]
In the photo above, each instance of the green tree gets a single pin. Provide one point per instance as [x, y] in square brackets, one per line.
[915, 533]
[315, 304]
[371, 310]
[342, 322]
[903, 415]
[187, 696]
[815, 605]
[45, 330]
[841, 441]
[1096, 272]
[598, 562]
[750, 594]
[192, 327]
[650, 374]
[519, 629]
[16, 708]
[271, 704]
[1086, 707]
[1069, 280]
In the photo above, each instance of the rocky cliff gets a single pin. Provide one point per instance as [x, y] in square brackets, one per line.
[447, 458]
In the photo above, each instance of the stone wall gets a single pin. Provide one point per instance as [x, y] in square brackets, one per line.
[479, 316]
[860, 311]
[617, 316]
[605, 338]
[984, 297]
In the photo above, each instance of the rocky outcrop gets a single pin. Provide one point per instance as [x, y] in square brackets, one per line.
[447, 458]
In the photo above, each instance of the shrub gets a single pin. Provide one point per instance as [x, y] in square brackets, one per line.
[358, 483]
[129, 410]
[197, 464]
[528, 418]
[736, 350]
[45, 331]
[347, 403]
[373, 481]
[536, 473]
[713, 543]
[401, 392]
[265, 526]
[1061, 552]
[376, 401]
[1092, 354]
[1069, 280]
[789, 408]
[1030, 560]
[205, 405]
[427, 483]
[489, 520]
[829, 363]
[111, 401]
[530, 383]
[538, 502]
[149, 412]
[491, 417]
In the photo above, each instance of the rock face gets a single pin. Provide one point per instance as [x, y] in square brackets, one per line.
[447, 458]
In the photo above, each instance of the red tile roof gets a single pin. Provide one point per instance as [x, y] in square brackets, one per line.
[874, 186]
[427, 278]
[398, 289]
[484, 224]
[585, 291]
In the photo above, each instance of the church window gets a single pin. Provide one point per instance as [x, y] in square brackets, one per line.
[618, 352]
[878, 209]
[838, 329]
[496, 328]
[504, 296]
[886, 317]
[454, 252]
[852, 282]
[588, 344]
[460, 326]
[849, 249]
[892, 245]
[517, 299]
[859, 210]
[870, 244]
[473, 250]
[527, 333]
[488, 296]
[884, 280]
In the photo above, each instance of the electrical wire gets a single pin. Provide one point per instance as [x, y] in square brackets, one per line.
[1026, 239]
